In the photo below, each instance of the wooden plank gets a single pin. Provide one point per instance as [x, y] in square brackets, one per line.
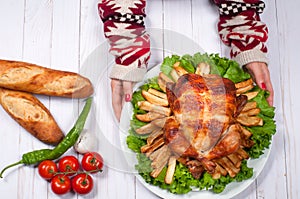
[91, 27]
[37, 50]
[65, 56]
[205, 17]
[275, 168]
[154, 26]
[11, 32]
[289, 42]
[276, 162]
[11, 42]
[178, 28]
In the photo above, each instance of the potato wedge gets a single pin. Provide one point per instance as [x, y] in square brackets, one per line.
[244, 89]
[157, 93]
[247, 143]
[154, 99]
[245, 133]
[242, 153]
[249, 105]
[162, 84]
[160, 122]
[250, 121]
[156, 153]
[162, 81]
[202, 69]
[145, 148]
[147, 106]
[216, 175]
[228, 165]
[251, 95]
[170, 170]
[154, 135]
[150, 148]
[235, 159]
[148, 117]
[146, 129]
[251, 112]
[174, 75]
[161, 160]
[180, 71]
[176, 64]
[165, 77]
[157, 171]
[244, 83]
[245, 138]
[219, 171]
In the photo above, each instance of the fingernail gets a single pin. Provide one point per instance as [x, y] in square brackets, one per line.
[263, 86]
[127, 98]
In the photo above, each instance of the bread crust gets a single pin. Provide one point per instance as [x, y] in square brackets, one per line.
[36, 79]
[32, 115]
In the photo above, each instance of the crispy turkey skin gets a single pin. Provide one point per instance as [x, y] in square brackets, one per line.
[203, 126]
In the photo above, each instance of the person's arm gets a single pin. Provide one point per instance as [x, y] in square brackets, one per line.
[240, 28]
[130, 44]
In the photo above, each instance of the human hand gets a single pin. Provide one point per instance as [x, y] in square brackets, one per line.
[121, 92]
[261, 75]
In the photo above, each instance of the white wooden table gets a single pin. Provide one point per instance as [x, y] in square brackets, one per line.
[63, 34]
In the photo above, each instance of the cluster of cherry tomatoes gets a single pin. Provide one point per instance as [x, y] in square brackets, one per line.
[67, 174]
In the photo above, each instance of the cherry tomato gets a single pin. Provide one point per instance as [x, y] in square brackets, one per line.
[92, 162]
[47, 169]
[69, 165]
[61, 184]
[82, 183]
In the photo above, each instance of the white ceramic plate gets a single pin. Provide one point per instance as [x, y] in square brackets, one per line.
[231, 189]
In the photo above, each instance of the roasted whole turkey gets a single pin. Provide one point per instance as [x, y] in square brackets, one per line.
[203, 127]
[198, 120]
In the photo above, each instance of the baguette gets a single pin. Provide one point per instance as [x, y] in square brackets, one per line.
[36, 79]
[31, 114]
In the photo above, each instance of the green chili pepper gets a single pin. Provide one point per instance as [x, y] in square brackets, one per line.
[37, 156]
[73, 135]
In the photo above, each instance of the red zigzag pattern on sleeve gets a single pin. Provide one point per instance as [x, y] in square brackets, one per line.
[130, 43]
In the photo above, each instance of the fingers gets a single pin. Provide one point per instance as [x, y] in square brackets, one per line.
[261, 75]
[270, 89]
[117, 93]
[121, 92]
[127, 90]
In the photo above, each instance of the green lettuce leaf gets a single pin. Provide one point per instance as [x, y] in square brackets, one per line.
[168, 63]
[188, 66]
[134, 143]
[263, 104]
[151, 83]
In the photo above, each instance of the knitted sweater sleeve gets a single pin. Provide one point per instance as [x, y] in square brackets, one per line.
[124, 28]
[240, 28]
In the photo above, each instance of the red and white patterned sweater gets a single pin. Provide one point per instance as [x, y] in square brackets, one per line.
[239, 27]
